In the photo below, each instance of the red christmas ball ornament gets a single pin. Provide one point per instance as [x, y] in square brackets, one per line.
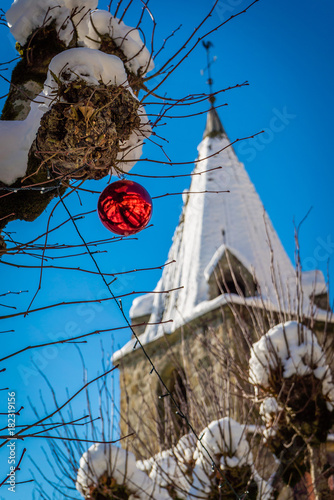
[125, 207]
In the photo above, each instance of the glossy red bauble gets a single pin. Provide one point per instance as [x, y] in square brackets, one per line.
[124, 207]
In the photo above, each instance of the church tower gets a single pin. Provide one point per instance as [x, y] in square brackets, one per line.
[228, 258]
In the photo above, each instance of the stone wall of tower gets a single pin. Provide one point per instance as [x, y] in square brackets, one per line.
[140, 390]
[207, 351]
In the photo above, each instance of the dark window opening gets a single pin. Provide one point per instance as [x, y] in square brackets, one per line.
[171, 425]
[231, 286]
[322, 301]
[231, 276]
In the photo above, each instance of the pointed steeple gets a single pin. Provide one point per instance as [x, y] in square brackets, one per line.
[217, 232]
[214, 126]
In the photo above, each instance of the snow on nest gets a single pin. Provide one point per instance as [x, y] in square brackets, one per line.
[128, 39]
[25, 16]
[119, 464]
[92, 66]
[79, 17]
[296, 348]
[225, 440]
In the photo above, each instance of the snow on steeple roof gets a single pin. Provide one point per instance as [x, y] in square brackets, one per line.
[210, 224]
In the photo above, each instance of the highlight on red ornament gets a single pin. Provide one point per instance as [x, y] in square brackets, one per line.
[124, 207]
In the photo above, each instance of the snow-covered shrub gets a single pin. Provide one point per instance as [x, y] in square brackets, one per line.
[107, 472]
[292, 378]
[226, 442]
[291, 352]
[295, 350]
[172, 469]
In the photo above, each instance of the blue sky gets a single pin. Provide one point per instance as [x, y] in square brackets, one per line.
[283, 49]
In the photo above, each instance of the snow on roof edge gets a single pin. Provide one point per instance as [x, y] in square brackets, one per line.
[141, 306]
[204, 308]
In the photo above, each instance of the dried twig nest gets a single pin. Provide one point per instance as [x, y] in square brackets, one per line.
[86, 128]
[240, 478]
[108, 488]
[302, 418]
[304, 405]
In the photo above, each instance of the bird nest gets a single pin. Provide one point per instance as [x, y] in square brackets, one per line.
[232, 481]
[82, 134]
[303, 405]
[303, 420]
[107, 488]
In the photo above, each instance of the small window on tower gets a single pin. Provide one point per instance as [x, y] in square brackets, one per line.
[231, 285]
[171, 426]
[232, 277]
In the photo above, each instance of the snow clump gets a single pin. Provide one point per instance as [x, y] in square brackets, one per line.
[269, 409]
[118, 468]
[226, 442]
[127, 39]
[25, 16]
[295, 349]
[91, 66]
[172, 468]
[78, 20]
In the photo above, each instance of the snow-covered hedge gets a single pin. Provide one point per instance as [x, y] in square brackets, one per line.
[183, 472]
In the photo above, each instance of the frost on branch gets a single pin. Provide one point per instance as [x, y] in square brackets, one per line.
[226, 442]
[291, 376]
[107, 471]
